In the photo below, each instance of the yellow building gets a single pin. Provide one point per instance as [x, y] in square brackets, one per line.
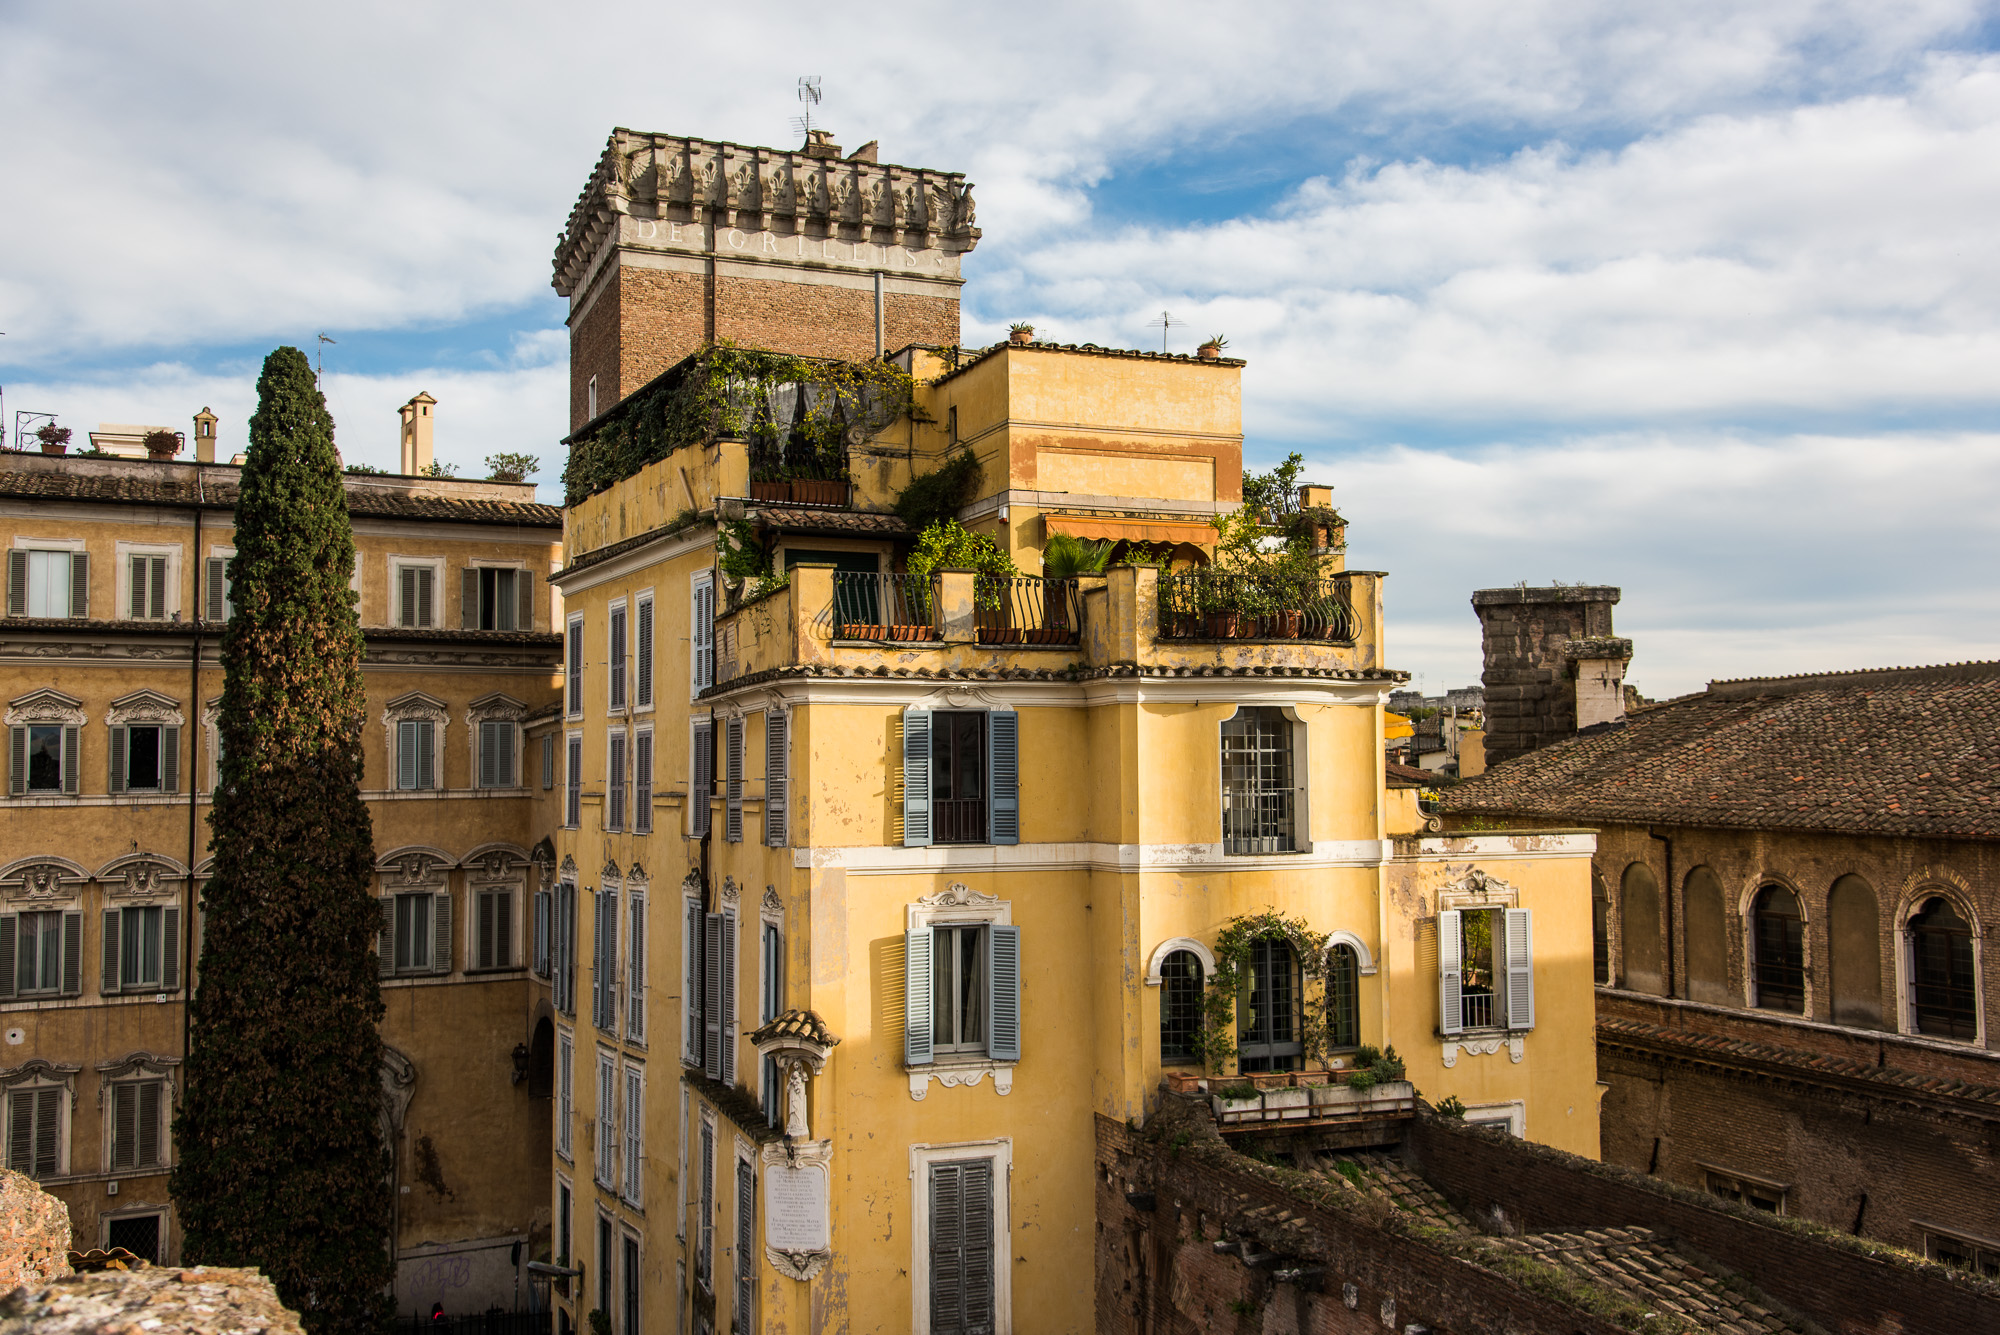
[117, 596]
[890, 887]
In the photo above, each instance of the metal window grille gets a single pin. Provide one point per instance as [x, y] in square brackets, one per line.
[1269, 1032]
[1780, 950]
[1944, 983]
[1343, 998]
[1180, 1005]
[1258, 796]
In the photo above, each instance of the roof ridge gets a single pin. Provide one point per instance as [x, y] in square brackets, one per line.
[1967, 670]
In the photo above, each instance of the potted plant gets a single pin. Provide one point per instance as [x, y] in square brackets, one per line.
[1184, 1082]
[1020, 334]
[768, 486]
[1212, 350]
[830, 491]
[161, 444]
[55, 439]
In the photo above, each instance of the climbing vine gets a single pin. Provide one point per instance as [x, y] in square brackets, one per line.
[800, 414]
[1215, 1042]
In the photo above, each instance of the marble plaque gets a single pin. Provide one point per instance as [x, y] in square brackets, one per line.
[795, 1209]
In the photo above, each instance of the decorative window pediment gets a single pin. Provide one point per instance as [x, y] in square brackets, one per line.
[495, 708]
[140, 876]
[496, 864]
[38, 1071]
[42, 880]
[144, 707]
[1477, 890]
[637, 879]
[410, 869]
[45, 706]
[415, 706]
[959, 902]
[134, 1065]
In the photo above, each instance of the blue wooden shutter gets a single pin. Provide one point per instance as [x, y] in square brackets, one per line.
[1003, 993]
[1003, 777]
[916, 779]
[917, 997]
[1451, 956]
[1520, 947]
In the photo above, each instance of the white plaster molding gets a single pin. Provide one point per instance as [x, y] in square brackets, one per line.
[1001, 1152]
[1358, 946]
[772, 908]
[959, 902]
[813, 1156]
[1476, 890]
[1168, 947]
[966, 1074]
[1483, 1047]
[416, 705]
[730, 892]
[495, 708]
[1126, 859]
[145, 707]
[140, 876]
[45, 706]
[43, 881]
[414, 869]
[503, 865]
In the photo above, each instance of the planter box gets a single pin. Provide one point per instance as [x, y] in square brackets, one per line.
[862, 630]
[819, 492]
[1184, 1082]
[1271, 1079]
[999, 635]
[911, 633]
[771, 493]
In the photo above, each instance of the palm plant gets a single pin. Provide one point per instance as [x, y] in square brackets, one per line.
[1066, 557]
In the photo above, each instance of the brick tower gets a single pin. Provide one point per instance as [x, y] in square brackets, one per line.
[1553, 665]
[675, 242]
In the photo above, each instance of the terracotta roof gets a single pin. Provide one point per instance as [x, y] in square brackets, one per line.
[599, 555]
[797, 1024]
[1634, 1262]
[1911, 752]
[973, 358]
[1793, 1063]
[858, 523]
[402, 634]
[1409, 776]
[144, 487]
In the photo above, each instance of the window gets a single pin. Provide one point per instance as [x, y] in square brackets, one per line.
[1343, 998]
[1270, 1025]
[147, 591]
[961, 1219]
[604, 961]
[217, 604]
[1779, 950]
[771, 1088]
[717, 994]
[614, 663]
[496, 753]
[139, 1234]
[41, 954]
[607, 1141]
[693, 941]
[416, 754]
[48, 584]
[562, 1223]
[544, 923]
[631, 1275]
[416, 934]
[548, 761]
[746, 1248]
[565, 1110]
[1981, 1256]
[1486, 977]
[35, 1130]
[701, 778]
[704, 1249]
[1753, 1192]
[416, 589]
[963, 992]
[777, 761]
[642, 685]
[142, 950]
[145, 744]
[961, 777]
[573, 777]
[1258, 795]
[1180, 1005]
[1600, 931]
[701, 634]
[565, 947]
[43, 759]
[771, 1002]
[635, 971]
[614, 805]
[495, 946]
[590, 399]
[496, 599]
[642, 783]
[574, 666]
[732, 780]
[137, 1124]
[606, 1263]
[1943, 985]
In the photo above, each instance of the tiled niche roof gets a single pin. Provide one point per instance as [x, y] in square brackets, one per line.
[1911, 752]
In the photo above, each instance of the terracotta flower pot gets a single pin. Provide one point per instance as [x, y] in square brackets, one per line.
[1020, 337]
[909, 632]
[771, 493]
[1287, 625]
[999, 635]
[819, 491]
[1209, 352]
[861, 630]
[55, 447]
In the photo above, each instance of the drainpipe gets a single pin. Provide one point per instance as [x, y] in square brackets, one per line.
[1672, 898]
[194, 784]
[878, 315]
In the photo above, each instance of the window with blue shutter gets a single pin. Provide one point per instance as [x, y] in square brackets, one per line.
[917, 997]
[1003, 785]
[1004, 993]
[916, 778]
[961, 777]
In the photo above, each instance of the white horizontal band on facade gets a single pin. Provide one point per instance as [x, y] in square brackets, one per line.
[895, 860]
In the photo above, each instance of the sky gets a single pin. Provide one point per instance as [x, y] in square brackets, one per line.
[1701, 300]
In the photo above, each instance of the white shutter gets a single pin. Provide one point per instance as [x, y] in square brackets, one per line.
[917, 997]
[1520, 946]
[1003, 993]
[691, 938]
[701, 635]
[701, 783]
[777, 752]
[916, 778]
[609, 903]
[634, 1131]
[1451, 965]
[597, 960]
[729, 934]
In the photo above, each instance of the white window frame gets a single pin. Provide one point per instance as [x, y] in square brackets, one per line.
[477, 894]
[434, 564]
[1301, 832]
[632, 1094]
[38, 1076]
[565, 1094]
[72, 547]
[224, 554]
[573, 781]
[959, 906]
[132, 1074]
[606, 1145]
[485, 563]
[743, 1270]
[590, 400]
[576, 680]
[548, 740]
[504, 709]
[617, 779]
[417, 707]
[922, 1157]
[644, 778]
[1511, 1113]
[107, 1218]
[121, 605]
[700, 811]
[634, 947]
[701, 640]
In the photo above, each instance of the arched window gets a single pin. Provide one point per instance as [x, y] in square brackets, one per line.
[1600, 930]
[1343, 998]
[1268, 1022]
[1778, 943]
[1944, 1002]
[1180, 1005]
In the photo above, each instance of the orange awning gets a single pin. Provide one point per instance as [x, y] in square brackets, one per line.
[1132, 530]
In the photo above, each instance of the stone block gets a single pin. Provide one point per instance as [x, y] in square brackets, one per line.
[34, 1233]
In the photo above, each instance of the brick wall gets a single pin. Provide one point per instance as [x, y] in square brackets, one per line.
[1530, 698]
[593, 351]
[1158, 1272]
[1848, 1288]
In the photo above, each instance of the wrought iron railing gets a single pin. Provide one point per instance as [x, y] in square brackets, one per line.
[1225, 605]
[958, 820]
[1256, 819]
[1476, 1010]
[474, 1323]
[1028, 610]
[884, 607]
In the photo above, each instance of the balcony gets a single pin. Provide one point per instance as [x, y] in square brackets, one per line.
[842, 624]
[1221, 605]
[1307, 1098]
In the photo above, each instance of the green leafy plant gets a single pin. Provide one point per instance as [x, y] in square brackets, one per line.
[1348, 1169]
[1214, 1041]
[1066, 557]
[281, 1115]
[364, 469]
[1021, 327]
[743, 555]
[438, 469]
[1361, 1081]
[1238, 1092]
[505, 467]
[1216, 341]
[1388, 1066]
[50, 434]
[939, 494]
[600, 1321]
[952, 546]
[1366, 1055]
[1453, 1107]
[161, 441]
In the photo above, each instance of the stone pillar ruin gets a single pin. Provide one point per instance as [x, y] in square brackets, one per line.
[1552, 665]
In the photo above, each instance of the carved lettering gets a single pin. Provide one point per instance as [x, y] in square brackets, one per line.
[795, 1207]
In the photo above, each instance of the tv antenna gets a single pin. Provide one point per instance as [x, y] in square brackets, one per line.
[1165, 322]
[319, 369]
[808, 94]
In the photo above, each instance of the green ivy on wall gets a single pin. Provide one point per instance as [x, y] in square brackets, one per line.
[1215, 1042]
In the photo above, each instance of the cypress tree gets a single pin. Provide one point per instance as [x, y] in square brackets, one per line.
[282, 1162]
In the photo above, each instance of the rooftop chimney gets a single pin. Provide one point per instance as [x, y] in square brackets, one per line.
[819, 144]
[416, 433]
[1553, 666]
[204, 437]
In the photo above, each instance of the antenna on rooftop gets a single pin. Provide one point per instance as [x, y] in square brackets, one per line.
[320, 368]
[1165, 322]
[808, 94]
